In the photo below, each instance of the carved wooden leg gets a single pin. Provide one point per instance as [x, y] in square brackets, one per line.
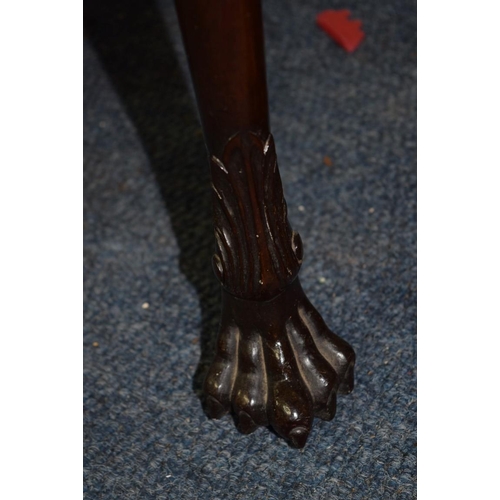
[277, 363]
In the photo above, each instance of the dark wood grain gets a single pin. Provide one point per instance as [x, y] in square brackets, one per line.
[225, 46]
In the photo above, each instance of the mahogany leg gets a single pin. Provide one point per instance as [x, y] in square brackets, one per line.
[276, 363]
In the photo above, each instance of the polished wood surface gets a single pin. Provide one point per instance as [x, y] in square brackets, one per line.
[225, 46]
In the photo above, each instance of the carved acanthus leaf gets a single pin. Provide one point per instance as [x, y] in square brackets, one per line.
[257, 252]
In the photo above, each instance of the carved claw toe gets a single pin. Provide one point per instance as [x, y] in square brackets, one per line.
[298, 437]
[219, 381]
[277, 364]
[213, 408]
[336, 350]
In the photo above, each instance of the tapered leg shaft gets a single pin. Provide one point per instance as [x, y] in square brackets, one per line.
[225, 48]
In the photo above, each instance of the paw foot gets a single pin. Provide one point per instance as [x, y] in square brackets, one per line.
[277, 364]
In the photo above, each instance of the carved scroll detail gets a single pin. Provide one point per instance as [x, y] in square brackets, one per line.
[257, 253]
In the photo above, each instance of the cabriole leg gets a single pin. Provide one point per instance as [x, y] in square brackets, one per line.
[277, 363]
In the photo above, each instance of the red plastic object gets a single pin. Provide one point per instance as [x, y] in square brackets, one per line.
[346, 32]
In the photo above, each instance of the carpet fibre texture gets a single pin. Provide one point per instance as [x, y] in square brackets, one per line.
[152, 303]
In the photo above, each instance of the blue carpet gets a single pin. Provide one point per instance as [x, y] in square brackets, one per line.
[148, 239]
